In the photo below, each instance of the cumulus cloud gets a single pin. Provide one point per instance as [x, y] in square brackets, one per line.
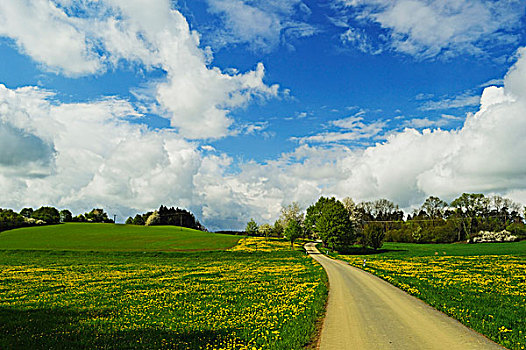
[48, 35]
[87, 38]
[262, 25]
[482, 156]
[22, 153]
[100, 158]
[428, 28]
[82, 155]
[85, 155]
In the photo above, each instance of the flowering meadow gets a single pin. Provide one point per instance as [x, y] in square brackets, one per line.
[485, 292]
[197, 300]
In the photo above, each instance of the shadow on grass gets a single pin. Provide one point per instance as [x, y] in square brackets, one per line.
[70, 329]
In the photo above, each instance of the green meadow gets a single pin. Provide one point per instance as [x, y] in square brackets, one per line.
[111, 237]
[402, 250]
[106, 286]
[481, 285]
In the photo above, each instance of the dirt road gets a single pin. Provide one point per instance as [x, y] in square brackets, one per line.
[365, 312]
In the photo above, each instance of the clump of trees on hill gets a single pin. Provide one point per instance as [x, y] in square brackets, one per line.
[95, 215]
[340, 224]
[9, 219]
[167, 216]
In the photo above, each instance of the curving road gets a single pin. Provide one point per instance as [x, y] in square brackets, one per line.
[365, 312]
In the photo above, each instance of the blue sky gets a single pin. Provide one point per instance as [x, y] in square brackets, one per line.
[234, 108]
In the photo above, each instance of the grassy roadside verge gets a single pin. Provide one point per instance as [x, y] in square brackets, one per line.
[479, 285]
[196, 300]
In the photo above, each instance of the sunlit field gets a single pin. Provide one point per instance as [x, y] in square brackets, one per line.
[110, 237]
[238, 299]
[485, 292]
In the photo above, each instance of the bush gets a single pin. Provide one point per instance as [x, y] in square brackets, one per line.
[493, 237]
[517, 229]
[373, 235]
[442, 234]
[154, 219]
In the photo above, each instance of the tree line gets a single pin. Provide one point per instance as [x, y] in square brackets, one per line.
[341, 224]
[45, 215]
[167, 216]
[10, 219]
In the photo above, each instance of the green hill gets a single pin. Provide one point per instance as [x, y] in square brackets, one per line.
[111, 237]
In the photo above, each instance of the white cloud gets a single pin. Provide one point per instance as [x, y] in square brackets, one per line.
[464, 100]
[428, 28]
[262, 25]
[89, 154]
[195, 96]
[492, 82]
[254, 128]
[208, 148]
[351, 129]
[102, 159]
[483, 156]
[420, 123]
[99, 158]
[298, 115]
[45, 33]
[358, 38]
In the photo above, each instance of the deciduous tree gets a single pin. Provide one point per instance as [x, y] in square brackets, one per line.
[252, 228]
[329, 220]
[48, 214]
[434, 207]
[26, 212]
[290, 212]
[265, 230]
[293, 231]
[65, 216]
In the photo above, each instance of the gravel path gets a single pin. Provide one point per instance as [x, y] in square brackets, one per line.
[365, 312]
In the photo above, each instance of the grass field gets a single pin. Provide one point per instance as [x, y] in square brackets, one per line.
[481, 285]
[237, 299]
[400, 250]
[111, 237]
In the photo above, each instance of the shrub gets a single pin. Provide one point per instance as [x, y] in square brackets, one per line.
[517, 229]
[373, 235]
[154, 219]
